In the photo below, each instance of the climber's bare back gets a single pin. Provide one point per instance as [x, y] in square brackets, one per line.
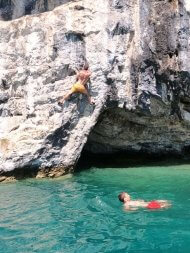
[80, 86]
[83, 76]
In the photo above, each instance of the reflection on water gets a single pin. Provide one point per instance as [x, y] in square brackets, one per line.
[82, 213]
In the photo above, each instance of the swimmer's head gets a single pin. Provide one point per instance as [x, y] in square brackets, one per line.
[123, 197]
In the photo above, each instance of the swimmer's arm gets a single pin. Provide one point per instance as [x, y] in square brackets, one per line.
[130, 208]
[141, 203]
[163, 201]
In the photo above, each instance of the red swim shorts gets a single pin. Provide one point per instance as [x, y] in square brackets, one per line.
[154, 205]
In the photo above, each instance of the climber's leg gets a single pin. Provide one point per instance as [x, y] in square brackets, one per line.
[90, 100]
[78, 88]
[67, 96]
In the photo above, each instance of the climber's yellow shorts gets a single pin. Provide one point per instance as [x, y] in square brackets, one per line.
[78, 87]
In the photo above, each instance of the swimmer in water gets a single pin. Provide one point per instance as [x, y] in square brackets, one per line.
[132, 205]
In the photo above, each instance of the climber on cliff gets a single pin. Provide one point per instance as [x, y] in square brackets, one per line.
[80, 86]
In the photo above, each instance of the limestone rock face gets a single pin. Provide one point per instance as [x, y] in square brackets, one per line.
[12, 9]
[138, 52]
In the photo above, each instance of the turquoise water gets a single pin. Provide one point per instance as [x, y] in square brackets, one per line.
[82, 213]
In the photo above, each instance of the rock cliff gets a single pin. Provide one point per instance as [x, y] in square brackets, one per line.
[138, 52]
[12, 9]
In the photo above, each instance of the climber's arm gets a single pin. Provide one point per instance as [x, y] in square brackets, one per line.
[76, 71]
[77, 74]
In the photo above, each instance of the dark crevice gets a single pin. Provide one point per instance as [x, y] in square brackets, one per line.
[79, 8]
[129, 159]
[171, 54]
[109, 81]
[120, 68]
[6, 10]
[46, 5]
[75, 37]
[4, 84]
[19, 174]
[57, 139]
[120, 30]
[29, 7]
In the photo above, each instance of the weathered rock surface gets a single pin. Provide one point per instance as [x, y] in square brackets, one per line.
[12, 9]
[138, 53]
